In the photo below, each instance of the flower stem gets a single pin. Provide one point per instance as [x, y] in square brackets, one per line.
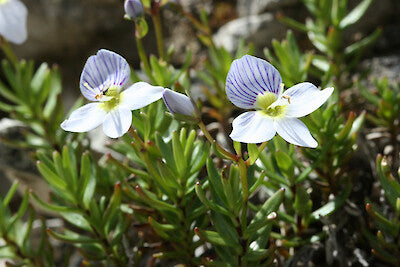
[5, 46]
[158, 31]
[143, 58]
[245, 189]
[220, 149]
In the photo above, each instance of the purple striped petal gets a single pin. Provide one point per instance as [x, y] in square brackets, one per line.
[13, 15]
[248, 77]
[133, 8]
[101, 71]
[178, 103]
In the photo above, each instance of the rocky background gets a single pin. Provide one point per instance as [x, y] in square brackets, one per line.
[66, 32]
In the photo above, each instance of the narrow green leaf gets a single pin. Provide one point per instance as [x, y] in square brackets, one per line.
[253, 151]
[215, 181]
[10, 193]
[71, 237]
[213, 238]
[177, 149]
[261, 217]
[355, 15]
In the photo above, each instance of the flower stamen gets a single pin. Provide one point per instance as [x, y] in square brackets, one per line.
[286, 97]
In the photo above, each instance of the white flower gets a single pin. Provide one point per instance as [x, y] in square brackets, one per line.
[253, 83]
[104, 77]
[13, 15]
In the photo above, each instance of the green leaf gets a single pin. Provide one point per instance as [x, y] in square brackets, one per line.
[302, 203]
[177, 149]
[10, 193]
[214, 238]
[253, 152]
[87, 181]
[261, 217]
[355, 15]
[71, 237]
[77, 219]
[21, 211]
[331, 206]
[113, 205]
[284, 161]
[360, 45]
[164, 230]
[211, 205]
[51, 207]
[38, 78]
[215, 181]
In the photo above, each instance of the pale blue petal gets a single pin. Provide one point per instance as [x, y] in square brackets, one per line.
[304, 98]
[248, 77]
[295, 131]
[101, 71]
[252, 127]
[85, 118]
[13, 14]
[139, 95]
[117, 122]
[178, 103]
[133, 8]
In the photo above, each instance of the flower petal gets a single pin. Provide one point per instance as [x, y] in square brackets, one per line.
[133, 8]
[295, 131]
[305, 98]
[85, 118]
[248, 77]
[139, 95]
[252, 127]
[178, 103]
[101, 71]
[117, 122]
[13, 15]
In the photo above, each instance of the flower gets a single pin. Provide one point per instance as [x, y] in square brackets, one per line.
[133, 9]
[180, 106]
[253, 83]
[13, 15]
[103, 78]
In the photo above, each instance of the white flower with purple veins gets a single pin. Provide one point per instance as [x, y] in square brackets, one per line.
[13, 15]
[103, 80]
[253, 83]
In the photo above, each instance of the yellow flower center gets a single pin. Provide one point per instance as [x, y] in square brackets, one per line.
[265, 102]
[113, 98]
[3, 1]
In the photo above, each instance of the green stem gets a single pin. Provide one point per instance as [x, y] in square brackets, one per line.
[143, 58]
[158, 30]
[5, 46]
[243, 179]
[220, 149]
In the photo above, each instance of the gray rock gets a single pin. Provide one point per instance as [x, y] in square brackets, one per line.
[385, 66]
[257, 29]
[256, 7]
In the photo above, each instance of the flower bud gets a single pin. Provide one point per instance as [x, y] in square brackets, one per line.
[180, 106]
[133, 9]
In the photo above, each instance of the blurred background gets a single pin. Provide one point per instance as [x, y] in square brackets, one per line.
[67, 32]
